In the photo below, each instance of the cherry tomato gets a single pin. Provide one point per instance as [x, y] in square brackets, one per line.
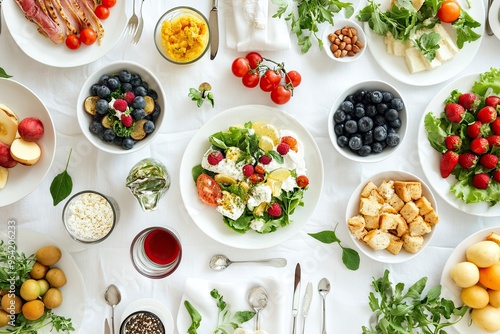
[209, 190]
[294, 77]
[108, 3]
[265, 84]
[102, 12]
[280, 95]
[250, 79]
[302, 181]
[254, 59]
[449, 11]
[240, 67]
[88, 36]
[273, 76]
[73, 42]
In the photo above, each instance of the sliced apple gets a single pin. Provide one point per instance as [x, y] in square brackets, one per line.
[8, 127]
[25, 152]
[4, 175]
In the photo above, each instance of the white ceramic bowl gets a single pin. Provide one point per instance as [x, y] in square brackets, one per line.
[22, 180]
[367, 86]
[84, 119]
[176, 13]
[340, 23]
[353, 210]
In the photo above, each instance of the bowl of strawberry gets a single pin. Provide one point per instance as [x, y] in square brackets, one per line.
[120, 107]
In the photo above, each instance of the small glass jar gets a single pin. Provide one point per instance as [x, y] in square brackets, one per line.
[156, 252]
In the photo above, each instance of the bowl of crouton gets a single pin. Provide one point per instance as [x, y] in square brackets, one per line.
[392, 216]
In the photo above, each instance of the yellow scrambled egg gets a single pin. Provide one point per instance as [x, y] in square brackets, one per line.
[184, 38]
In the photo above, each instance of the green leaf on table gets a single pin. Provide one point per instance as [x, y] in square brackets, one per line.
[62, 185]
[4, 74]
[195, 317]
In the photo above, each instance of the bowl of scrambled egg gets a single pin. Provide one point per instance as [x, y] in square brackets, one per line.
[182, 35]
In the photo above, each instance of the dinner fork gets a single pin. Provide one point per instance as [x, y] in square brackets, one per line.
[138, 32]
[132, 22]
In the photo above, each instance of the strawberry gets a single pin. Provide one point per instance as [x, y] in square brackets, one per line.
[479, 145]
[214, 157]
[248, 170]
[448, 162]
[283, 148]
[487, 114]
[127, 120]
[454, 112]
[265, 160]
[467, 160]
[488, 160]
[494, 140]
[496, 175]
[274, 210]
[474, 129]
[492, 101]
[469, 101]
[129, 97]
[453, 142]
[481, 181]
[120, 105]
[495, 126]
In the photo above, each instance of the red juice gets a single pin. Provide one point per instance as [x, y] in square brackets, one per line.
[161, 246]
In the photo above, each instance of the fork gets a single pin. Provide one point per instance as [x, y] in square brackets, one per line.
[132, 22]
[138, 32]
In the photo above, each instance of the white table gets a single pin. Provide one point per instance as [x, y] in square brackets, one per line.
[108, 262]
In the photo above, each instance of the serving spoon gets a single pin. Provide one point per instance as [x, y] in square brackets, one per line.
[324, 289]
[113, 297]
[257, 297]
[221, 262]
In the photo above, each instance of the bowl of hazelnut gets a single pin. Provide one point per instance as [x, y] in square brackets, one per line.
[345, 41]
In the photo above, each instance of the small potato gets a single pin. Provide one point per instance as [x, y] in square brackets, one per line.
[33, 310]
[56, 277]
[38, 271]
[44, 286]
[30, 129]
[48, 255]
[487, 319]
[494, 297]
[483, 253]
[11, 302]
[475, 296]
[465, 274]
[53, 298]
[30, 290]
[4, 318]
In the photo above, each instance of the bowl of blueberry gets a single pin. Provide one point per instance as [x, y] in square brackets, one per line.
[120, 107]
[368, 121]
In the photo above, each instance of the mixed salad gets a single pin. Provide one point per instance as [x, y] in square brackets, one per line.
[467, 134]
[255, 176]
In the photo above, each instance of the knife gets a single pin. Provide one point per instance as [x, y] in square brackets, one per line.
[296, 296]
[306, 304]
[106, 327]
[213, 22]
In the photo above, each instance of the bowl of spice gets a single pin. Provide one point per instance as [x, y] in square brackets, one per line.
[142, 322]
[182, 35]
[90, 217]
[345, 41]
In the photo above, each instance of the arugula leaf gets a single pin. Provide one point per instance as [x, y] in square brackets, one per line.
[195, 317]
[463, 26]
[427, 44]
[62, 185]
[4, 74]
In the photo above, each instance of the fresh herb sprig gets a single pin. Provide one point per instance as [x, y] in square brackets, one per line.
[195, 317]
[13, 265]
[202, 94]
[227, 322]
[23, 326]
[350, 257]
[427, 44]
[412, 311]
[4, 74]
[62, 185]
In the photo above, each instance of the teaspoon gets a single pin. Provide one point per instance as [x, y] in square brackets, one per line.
[113, 297]
[324, 289]
[257, 297]
[221, 262]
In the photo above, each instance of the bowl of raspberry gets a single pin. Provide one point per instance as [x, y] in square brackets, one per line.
[368, 121]
[120, 107]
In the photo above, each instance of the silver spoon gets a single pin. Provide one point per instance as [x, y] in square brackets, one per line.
[113, 297]
[323, 289]
[221, 262]
[257, 297]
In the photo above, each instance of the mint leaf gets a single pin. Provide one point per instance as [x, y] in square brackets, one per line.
[62, 185]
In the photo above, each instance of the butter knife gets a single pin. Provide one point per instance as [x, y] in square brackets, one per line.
[306, 304]
[213, 22]
[296, 297]
[107, 330]
[489, 32]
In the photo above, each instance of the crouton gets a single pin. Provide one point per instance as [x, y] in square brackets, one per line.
[377, 239]
[424, 206]
[365, 192]
[386, 189]
[375, 196]
[402, 228]
[389, 221]
[409, 211]
[395, 245]
[372, 222]
[412, 244]
[396, 202]
[356, 225]
[408, 190]
[431, 217]
[368, 207]
[386, 207]
[419, 226]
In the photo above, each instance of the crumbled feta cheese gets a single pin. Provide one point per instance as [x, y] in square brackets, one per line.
[225, 166]
[257, 225]
[231, 205]
[259, 194]
[289, 183]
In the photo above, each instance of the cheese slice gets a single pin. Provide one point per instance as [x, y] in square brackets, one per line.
[414, 60]
[447, 48]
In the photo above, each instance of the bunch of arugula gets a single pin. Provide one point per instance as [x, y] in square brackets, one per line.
[310, 15]
[409, 312]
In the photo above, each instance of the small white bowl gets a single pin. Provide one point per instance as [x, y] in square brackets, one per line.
[353, 210]
[341, 23]
[367, 86]
[84, 119]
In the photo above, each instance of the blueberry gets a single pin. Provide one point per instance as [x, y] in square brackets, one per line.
[359, 112]
[140, 91]
[93, 89]
[339, 129]
[135, 80]
[390, 130]
[382, 108]
[380, 120]
[376, 96]
[368, 96]
[371, 110]
[391, 115]
[103, 80]
[387, 96]
[149, 127]
[365, 150]
[145, 85]
[342, 141]
[397, 104]
[396, 124]
[355, 143]
[139, 102]
[379, 133]
[339, 116]
[393, 139]
[118, 141]
[126, 87]
[365, 124]
[377, 147]
[128, 143]
[103, 92]
[96, 127]
[138, 114]
[359, 95]
[113, 84]
[350, 98]
[108, 135]
[102, 106]
[347, 106]
[367, 138]
[153, 94]
[124, 76]
[156, 112]
[351, 126]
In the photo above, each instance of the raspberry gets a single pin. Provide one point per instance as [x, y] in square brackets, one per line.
[265, 160]
[129, 97]
[488, 160]
[496, 175]
[481, 181]
[214, 157]
[274, 210]
[283, 148]
[127, 120]
[248, 170]
[120, 105]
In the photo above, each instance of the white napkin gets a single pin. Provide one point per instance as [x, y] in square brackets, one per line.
[235, 293]
[251, 27]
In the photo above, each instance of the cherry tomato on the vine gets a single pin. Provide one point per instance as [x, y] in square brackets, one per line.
[254, 58]
[240, 67]
[269, 80]
[88, 36]
[108, 3]
[449, 11]
[265, 85]
[294, 77]
[273, 76]
[73, 42]
[280, 95]
[250, 79]
[102, 12]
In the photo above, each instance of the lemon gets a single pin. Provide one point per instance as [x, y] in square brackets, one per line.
[266, 144]
[224, 179]
[279, 174]
[275, 187]
[267, 130]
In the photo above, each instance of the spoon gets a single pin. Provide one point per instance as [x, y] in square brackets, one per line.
[221, 262]
[323, 289]
[113, 297]
[257, 297]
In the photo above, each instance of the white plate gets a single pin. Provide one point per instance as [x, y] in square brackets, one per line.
[429, 157]
[353, 210]
[235, 293]
[494, 18]
[396, 66]
[207, 219]
[153, 306]
[44, 51]
[73, 306]
[450, 290]
[23, 180]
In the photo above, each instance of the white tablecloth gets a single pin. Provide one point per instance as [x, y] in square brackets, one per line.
[108, 262]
